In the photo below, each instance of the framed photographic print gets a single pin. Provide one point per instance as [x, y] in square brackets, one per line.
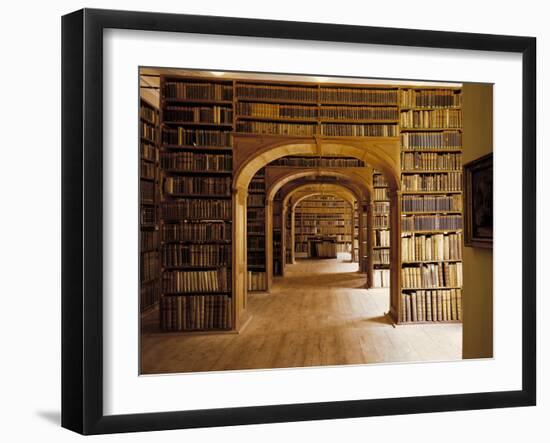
[265, 221]
[478, 190]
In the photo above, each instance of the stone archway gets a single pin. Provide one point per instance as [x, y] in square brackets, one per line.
[253, 152]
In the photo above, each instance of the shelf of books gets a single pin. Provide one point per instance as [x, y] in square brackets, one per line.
[305, 109]
[431, 205]
[256, 258]
[277, 239]
[380, 232]
[196, 123]
[323, 216]
[149, 200]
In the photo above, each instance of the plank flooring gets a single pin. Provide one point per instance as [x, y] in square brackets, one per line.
[318, 314]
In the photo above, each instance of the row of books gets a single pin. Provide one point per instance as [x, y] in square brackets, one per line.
[256, 228]
[255, 243]
[183, 90]
[146, 191]
[255, 215]
[270, 110]
[147, 215]
[149, 294]
[380, 221]
[451, 181]
[276, 128]
[426, 203]
[352, 130]
[148, 240]
[381, 194]
[319, 221]
[430, 160]
[381, 278]
[257, 184]
[379, 180]
[293, 93]
[148, 131]
[433, 275]
[149, 114]
[148, 151]
[196, 137]
[275, 110]
[431, 247]
[257, 281]
[382, 238]
[196, 232]
[315, 162]
[381, 256]
[214, 280]
[358, 113]
[440, 118]
[147, 170]
[255, 200]
[255, 258]
[356, 95]
[317, 229]
[149, 265]
[197, 209]
[193, 161]
[195, 312]
[431, 222]
[435, 306]
[429, 98]
[198, 114]
[201, 255]
[381, 207]
[211, 186]
[431, 140]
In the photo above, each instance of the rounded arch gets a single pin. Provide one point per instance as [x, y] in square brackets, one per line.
[360, 181]
[378, 152]
[382, 153]
[342, 195]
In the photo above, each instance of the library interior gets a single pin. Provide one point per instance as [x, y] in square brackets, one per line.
[295, 221]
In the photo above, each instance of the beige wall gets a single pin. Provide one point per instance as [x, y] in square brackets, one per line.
[477, 330]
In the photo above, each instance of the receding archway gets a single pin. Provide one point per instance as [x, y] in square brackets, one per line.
[357, 180]
[255, 152]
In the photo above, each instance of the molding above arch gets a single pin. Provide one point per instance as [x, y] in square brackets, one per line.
[253, 152]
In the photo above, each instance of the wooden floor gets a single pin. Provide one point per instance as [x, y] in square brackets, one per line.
[318, 314]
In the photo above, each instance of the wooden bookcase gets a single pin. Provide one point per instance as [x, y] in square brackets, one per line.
[431, 205]
[323, 216]
[197, 122]
[149, 201]
[381, 231]
[256, 255]
[192, 209]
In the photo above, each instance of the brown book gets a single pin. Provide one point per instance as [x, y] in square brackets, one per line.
[414, 307]
[403, 307]
[428, 297]
[459, 304]
[439, 306]
[408, 307]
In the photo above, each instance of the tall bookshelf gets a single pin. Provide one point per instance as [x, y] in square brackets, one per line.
[256, 260]
[306, 109]
[149, 201]
[431, 205]
[323, 216]
[277, 233]
[381, 231]
[197, 122]
[190, 215]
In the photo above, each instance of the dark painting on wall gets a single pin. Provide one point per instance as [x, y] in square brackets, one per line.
[478, 177]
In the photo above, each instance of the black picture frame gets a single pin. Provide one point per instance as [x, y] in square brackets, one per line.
[82, 218]
[478, 202]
